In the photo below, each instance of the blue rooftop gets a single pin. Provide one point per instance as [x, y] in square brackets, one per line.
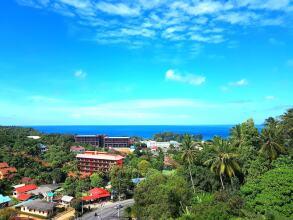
[50, 194]
[137, 180]
[4, 199]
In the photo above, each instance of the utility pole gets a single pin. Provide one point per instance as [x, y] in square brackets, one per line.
[119, 177]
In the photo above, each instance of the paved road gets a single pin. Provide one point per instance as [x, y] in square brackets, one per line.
[108, 212]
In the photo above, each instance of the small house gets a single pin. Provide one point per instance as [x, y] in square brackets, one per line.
[39, 207]
[4, 201]
[66, 200]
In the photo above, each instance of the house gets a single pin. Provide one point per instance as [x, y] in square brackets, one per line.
[39, 207]
[47, 191]
[24, 189]
[4, 201]
[43, 148]
[66, 200]
[77, 149]
[95, 194]
[34, 137]
[6, 171]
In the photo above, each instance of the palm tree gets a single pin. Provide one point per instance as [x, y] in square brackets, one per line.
[188, 154]
[223, 162]
[272, 144]
[237, 136]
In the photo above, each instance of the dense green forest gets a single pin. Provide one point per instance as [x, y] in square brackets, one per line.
[249, 175]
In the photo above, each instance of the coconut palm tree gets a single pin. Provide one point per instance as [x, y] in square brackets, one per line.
[223, 161]
[272, 144]
[237, 136]
[189, 150]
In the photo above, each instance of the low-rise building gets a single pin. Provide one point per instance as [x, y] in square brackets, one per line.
[24, 189]
[47, 191]
[34, 137]
[162, 145]
[43, 148]
[66, 200]
[39, 207]
[92, 161]
[6, 171]
[4, 201]
[96, 194]
[77, 149]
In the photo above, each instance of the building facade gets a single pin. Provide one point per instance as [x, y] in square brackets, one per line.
[95, 140]
[103, 141]
[92, 161]
[116, 142]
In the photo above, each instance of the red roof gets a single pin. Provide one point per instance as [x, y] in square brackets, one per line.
[8, 170]
[24, 197]
[4, 165]
[26, 188]
[96, 193]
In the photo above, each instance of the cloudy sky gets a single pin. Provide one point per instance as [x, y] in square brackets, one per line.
[144, 61]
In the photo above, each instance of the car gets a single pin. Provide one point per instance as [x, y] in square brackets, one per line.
[119, 206]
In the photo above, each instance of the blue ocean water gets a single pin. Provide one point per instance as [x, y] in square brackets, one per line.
[145, 131]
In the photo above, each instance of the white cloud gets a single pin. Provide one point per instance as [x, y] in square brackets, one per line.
[118, 9]
[78, 3]
[265, 4]
[238, 17]
[80, 74]
[270, 97]
[202, 7]
[142, 21]
[241, 82]
[208, 39]
[185, 78]
[138, 32]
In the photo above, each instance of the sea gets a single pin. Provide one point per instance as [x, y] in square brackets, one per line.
[144, 131]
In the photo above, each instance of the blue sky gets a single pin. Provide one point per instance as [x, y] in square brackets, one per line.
[144, 61]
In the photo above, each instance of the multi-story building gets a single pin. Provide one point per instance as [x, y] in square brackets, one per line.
[116, 142]
[92, 161]
[103, 141]
[95, 140]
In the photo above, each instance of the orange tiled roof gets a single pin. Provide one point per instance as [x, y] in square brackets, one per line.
[4, 165]
[8, 170]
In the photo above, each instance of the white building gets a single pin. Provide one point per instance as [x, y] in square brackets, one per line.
[162, 145]
[34, 137]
